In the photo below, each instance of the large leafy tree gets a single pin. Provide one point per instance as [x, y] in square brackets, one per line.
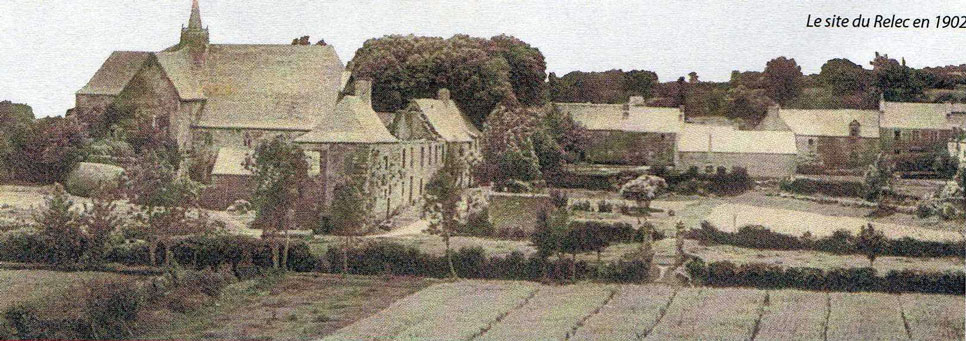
[782, 79]
[479, 72]
[47, 150]
[352, 198]
[843, 77]
[612, 86]
[894, 80]
[443, 197]
[279, 168]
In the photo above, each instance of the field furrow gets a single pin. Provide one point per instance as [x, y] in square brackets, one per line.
[634, 309]
[710, 314]
[551, 314]
[793, 315]
[445, 312]
[934, 317]
[874, 316]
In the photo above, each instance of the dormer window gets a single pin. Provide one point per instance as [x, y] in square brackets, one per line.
[854, 129]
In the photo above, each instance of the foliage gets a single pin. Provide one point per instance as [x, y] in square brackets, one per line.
[352, 198]
[477, 224]
[559, 198]
[720, 181]
[834, 188]
[877, 179]
[613, 86]
[569, 135]
[112, 307]
[44, 151]
[840, 242]
[782, 79]
[644, 189]
[442, 199]
[844, 77]
[61, 228]
[894, 80]
[748, 104]
[100, 219]
[551, 231]
[768, 276]
[507, 148]
[278, 169]
[479, 72]
[870, 242]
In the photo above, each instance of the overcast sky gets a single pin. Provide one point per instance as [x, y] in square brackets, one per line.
[50, 49]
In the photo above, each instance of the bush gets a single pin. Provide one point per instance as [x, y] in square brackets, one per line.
[768, 276]
[832, 188]
[604, 206]
[477, 224]
[719, 182]
[558, 198]
[24, 322]
[582, 206]
[112, 307]
[215, 250]
[840, 242]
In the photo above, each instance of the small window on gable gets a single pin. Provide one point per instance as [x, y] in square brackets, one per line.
[854, 129]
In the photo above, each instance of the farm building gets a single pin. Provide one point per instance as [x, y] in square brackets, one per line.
[831, 138]
[913, 133]
[438, 120]
[764, 154]
[628, 134]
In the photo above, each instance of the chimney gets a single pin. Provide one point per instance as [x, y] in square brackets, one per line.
[443, 95]
[363, 90]
[882, 102]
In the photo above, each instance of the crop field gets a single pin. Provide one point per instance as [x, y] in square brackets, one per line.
[706, 314]
[730, 217]
[446, 311]
[504, 310]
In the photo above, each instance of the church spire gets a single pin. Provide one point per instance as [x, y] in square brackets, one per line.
[195, 21]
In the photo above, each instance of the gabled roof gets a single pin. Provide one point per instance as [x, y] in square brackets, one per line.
[185, 77]
[904, 115]
[831, 122]
[721, 139]
[353, 121]
[446, 119]
[610, 117]
[115, 73]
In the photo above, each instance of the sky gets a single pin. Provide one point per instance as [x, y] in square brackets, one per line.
[50, 49]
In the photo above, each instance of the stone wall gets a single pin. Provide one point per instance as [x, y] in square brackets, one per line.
[631, 148]
[758, 165]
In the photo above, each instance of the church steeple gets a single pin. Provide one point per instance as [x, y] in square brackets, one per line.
[195, 36]
[194, 22]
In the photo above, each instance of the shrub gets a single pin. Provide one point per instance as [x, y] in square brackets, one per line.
[559, 198]
[832, 188]
[604, 206]
[477, 224]
[24, 322]
[112, 306]
[582, 206]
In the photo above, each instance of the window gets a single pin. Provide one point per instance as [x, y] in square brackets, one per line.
[404, 158]
[412, 159]
[385, 159]
[422, 156]
[854, 129]
[811, 143]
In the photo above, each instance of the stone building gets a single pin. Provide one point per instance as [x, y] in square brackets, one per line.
[225, 99]
[829, 138]
[628, 134]
[440, 120]
[764, 154]
[913, 133]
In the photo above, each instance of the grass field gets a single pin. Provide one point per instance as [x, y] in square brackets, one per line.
[45, 288]
[817, 259]
[730, 217]
[657, 312]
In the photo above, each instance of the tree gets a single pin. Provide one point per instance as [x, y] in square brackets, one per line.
[877, 178]
[647, 242]
[748, 104]
[552, 229]
[443, 197]
[679, 242]
[782, 79]
[569, 134]
[640, 83]
[279, 169]
[61, 229]
[506, 145]
[100, 218]
[894, 80]
[527, 69]
[870, 242]
[643, 189]
[960, 180]
[48, 150]
[843, 77]
[352, 198]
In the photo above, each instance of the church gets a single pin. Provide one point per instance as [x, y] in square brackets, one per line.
[225, 99]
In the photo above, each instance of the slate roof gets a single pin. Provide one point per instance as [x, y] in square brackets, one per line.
[905, 115]
[446, 119]
[353, 121]
[833, 122]
[115, 73]
[721, 139]
[610, 117]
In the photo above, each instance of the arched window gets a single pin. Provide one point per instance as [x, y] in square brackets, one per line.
[854, 129]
